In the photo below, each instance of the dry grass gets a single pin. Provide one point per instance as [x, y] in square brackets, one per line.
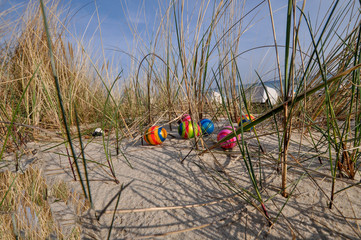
[60, 191]
[171, 78]
[25, 211]
[26, 50]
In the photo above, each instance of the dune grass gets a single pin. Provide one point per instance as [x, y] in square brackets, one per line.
[25, 210]
[320, 91]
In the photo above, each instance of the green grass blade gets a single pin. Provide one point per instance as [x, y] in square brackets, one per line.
[11, 185]
[113, 217]
[60, 97]
[83, 155]
[279, 107]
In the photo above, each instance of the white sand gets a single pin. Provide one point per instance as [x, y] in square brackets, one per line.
[158, 179]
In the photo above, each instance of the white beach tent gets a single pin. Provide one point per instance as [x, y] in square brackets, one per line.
[260, 94]
[215, 97]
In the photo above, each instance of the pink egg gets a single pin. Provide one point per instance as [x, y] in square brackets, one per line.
[186, 117]
[231, 143]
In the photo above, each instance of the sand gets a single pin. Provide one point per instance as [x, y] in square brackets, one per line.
[162, 198]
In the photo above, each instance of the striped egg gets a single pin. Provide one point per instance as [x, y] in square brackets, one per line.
[189, 129]
[155, 135]
[207, 126]
[231, 143]
[245, 120]
[186, 117]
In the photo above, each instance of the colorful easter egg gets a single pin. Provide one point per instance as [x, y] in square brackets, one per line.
[246, 119]
[185, 117]
[155, 135]
[207, 126]
[231, 143]
[189, 129]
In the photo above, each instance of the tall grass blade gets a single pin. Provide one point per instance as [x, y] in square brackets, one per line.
[11, 185]
[60, 97]
[83, 155]
[279, 107]
[245, 156]
[113, 217]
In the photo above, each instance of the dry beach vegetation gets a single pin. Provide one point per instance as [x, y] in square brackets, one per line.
[294, 173]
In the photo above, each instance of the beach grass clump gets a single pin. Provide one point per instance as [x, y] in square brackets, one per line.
[25, 53]
[50, 82]
[28, 96]
[60, 191]
[25, 211]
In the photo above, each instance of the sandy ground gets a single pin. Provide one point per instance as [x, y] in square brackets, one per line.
[159, 197]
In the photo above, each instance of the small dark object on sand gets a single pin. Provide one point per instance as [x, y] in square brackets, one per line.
[97, 132]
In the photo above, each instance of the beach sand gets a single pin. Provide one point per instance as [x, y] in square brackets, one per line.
[203, 197]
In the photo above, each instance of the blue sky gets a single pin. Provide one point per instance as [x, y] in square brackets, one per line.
[117, 17]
